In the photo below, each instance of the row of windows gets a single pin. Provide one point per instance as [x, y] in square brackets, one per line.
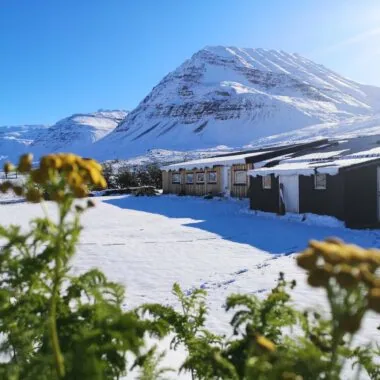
[320, 181]
[240, 177]
[212, 177]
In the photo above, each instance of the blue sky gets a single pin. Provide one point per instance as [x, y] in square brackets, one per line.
[63, 57]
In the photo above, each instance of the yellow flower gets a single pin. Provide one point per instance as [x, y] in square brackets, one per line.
[69, 167]
[51, 161]
[307, 260]
[320, 277]
[55, 162]
[66, 168]
[334, 240]
[8, 167]
[347, 276]
[94, 176]
[40, 176]
[57, 196]
[69, 158]
[334, 254]
[356, 255]
[265, 343]
[102, 183]
[373, 257]
[74, 179]
[80, 191]
[33, 195]
[25, 163]
[331, 252]
[368, 277]
[92, 163]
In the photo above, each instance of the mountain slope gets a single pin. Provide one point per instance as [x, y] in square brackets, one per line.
[353, 128]
[78, 132]
[16, 140]
[231, 96]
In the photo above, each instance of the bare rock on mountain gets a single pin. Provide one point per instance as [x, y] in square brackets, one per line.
[232, 96]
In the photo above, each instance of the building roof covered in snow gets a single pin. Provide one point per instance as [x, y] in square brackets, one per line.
[244, 157]
[213, 161]
[329, 159]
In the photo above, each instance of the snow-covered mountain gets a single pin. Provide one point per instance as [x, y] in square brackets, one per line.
[232, 96]
[16, 140]
[78, 132]
[222, 98]
[353, 128]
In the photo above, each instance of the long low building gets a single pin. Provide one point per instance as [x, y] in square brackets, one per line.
[224, 175]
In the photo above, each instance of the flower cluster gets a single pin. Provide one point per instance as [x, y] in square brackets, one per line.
[56, 177]
[348, 268]
[265, 344]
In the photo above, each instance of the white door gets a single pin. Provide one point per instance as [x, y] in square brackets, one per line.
[226, 189]
[378, 193]
[289, 188]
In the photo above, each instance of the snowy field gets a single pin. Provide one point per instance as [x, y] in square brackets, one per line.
[219, 245]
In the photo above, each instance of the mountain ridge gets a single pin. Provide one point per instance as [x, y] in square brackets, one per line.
[75, 133]
[221, 96]
[232, 96]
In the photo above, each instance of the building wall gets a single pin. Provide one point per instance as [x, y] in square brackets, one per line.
[264, 199]
[350, 196]
[329, 201]
[165, 181]
[239, 190]
[195, 188]
[361, 196]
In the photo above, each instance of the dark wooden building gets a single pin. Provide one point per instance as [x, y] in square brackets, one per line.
[334, 180]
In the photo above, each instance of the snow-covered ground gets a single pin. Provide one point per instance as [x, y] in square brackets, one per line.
[147, 244]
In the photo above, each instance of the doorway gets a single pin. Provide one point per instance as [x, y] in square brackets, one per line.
[290, 192]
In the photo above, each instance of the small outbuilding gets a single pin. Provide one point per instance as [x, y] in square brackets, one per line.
[336, 179]
[221, 175]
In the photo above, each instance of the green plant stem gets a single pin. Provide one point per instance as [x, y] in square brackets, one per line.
[58, 358]
[337, 334]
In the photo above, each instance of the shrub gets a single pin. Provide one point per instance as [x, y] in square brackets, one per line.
[55, 325]
[108, 175]
[143, 176]
[126, 178]
[155, 176]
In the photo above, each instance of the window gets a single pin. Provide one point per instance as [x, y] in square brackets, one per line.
[212, 177]
[320, 181]
[200, 177]
[176, 178]
[189, 178]
[240, 177]
[267, 182]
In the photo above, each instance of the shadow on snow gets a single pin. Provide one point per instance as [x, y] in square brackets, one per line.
[231, 221]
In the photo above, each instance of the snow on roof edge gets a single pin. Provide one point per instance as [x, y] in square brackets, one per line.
[289, 171]
[213, 161]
